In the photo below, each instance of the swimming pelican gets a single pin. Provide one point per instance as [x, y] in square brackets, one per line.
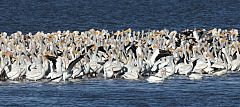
[56, 76]
[208, 69]
[195, 76]
[112, 68]
[77, 72]
[184, 68]
[132, 72]
[14, 70]
[69, 71]
[154, 79]
[37, 72]
[224, 70]
[235, 64]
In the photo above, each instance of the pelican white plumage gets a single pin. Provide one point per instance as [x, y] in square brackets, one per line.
[25, 63]
[208, 69]
[220, 72]
[37, 71]
[170, 69]
[77, 72]
[132, 72]
[15, 71]
[200, 65]
[154, 55]
[67, 73]
[4, 63]
[132, 75]
[160, 64]
[235, 64]
[108, 73]
[224, 70]
[95, 67]
[184, 68]
[195, 76]
[112, 68]
[158, 77]
[56, 76]
[218, 65]
[195, 35]
[155, 79]
[86, 69]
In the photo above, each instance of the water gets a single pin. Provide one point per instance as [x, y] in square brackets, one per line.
[177, 91]
[53, 15]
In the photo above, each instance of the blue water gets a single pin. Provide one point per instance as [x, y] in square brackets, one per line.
[53, 15]
[178, 91]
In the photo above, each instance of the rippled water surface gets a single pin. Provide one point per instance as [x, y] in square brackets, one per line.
[53, 15]
[177, 91]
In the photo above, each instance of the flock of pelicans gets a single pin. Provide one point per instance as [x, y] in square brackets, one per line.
[154, 55]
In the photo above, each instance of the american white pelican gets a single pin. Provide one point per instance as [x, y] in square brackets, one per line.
[224, 70]
[56, 76]
[155, 79]
[235, 64]
[133, 71]
[184, 68]
[37, 72]
[77, 72]
[208, 69]
[14, 70]
[195, 76]
[69, 70]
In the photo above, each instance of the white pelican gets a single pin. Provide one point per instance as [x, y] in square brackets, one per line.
[161, 75]
[195, 76]
[112, 68]
[15, 71]
[69, 70]
[208, 69]
[56, 76]
[224, 70]
[235, 64]
[218, 64]
[184, 68]
[155, 79]
[37, 72]
[77, 72]
[132, 72]
[108, 73]
[200, 62]
[195, 35]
